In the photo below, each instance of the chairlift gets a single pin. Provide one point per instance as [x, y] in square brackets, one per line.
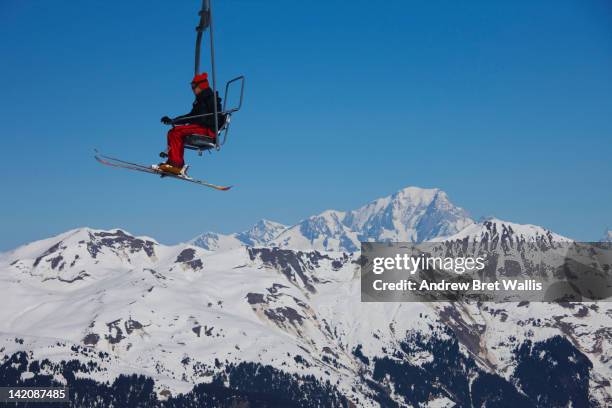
[198, 142]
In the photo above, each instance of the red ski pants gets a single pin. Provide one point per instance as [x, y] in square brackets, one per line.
[176, 141]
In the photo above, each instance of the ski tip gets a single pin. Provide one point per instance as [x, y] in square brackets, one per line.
[225, 188]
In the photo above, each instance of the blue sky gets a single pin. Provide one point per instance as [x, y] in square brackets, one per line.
[504, 105]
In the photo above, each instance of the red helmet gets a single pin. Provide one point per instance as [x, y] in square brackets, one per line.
[201, 80]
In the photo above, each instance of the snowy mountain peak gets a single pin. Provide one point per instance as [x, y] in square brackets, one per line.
[325, 232]
[212, 241]
[412, 214]
[494, 229]
[328, 223]
[94, 240]
[417, 194]
[69, 256]
[261, 233]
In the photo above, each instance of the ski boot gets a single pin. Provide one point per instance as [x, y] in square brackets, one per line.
[168, 168]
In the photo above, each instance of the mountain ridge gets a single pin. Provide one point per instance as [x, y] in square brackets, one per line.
[411, 214]
[182, 315]
[186, 316]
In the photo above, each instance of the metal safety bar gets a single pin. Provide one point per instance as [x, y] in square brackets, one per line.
[227, 85]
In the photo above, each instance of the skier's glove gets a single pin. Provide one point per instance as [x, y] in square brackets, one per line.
[166, 120]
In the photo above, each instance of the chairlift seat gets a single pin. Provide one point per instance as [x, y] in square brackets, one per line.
[199, 142]
[204, 142]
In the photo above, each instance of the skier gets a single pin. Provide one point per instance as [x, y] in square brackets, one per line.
[197, 130]
[192, 123]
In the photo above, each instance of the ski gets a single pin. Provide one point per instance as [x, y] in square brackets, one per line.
[114, 162]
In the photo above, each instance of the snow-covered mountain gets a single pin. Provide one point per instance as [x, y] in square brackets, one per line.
[213, 241]
[410, 215]
[496, 230]
[255, 324]
[259, 234]
[324, 232]
[67, 257]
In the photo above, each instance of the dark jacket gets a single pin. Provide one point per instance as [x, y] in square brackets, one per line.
[203, 104]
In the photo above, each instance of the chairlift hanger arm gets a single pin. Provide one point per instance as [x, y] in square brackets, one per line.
[204, 24]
